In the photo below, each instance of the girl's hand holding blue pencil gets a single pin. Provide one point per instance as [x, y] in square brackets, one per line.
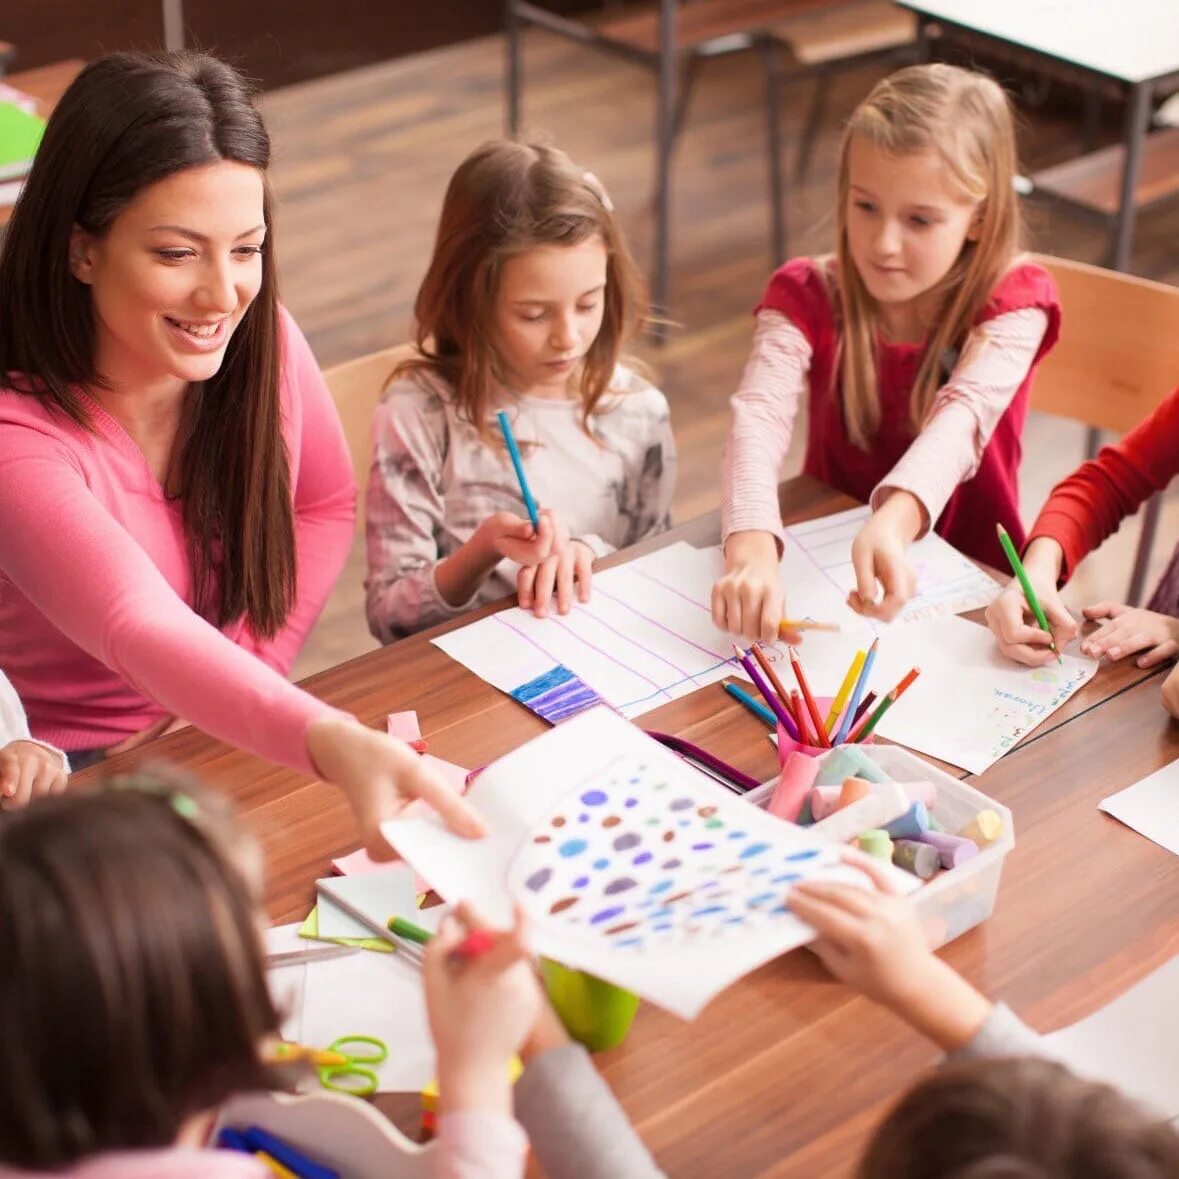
[481, 1008]
[871, 939]
[563, 575]
[1011, 617]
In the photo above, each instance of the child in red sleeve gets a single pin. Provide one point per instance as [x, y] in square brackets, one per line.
[914, 345]
[1080, 513]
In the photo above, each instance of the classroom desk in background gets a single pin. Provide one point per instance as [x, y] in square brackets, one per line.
[46, 84]
[786, 1073]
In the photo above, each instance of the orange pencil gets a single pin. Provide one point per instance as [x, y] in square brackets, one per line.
[772, 676]
[812, 707]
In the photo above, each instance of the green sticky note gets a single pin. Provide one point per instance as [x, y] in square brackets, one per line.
[20, 136]
[310, 929]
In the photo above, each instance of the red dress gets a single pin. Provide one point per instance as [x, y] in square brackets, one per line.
[799, 291]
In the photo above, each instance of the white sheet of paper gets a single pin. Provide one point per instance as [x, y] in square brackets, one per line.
[287, 983]
[594, 754]
[372, 995]
[370, 898]
[644, 638]
[1150, 807]
[969, 706]
[1131, 1043]
[334, 922]
[947, 582]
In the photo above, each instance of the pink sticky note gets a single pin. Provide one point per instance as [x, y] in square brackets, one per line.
[404, 725]
[358, 864]
[454, 776]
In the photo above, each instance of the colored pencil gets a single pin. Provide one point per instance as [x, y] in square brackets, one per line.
[477, 941]
[514, 453]
[844, 692]
[772, 676]
[776, 706]
[865, 727]
[798, 624]
[1028, 592]
[755, 706]
[804, 730]
[857, 693]
[809, 701]
[865, 704]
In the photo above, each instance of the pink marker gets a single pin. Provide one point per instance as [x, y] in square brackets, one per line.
[798, 776]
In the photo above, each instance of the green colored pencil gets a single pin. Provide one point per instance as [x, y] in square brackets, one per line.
[1029, 593]
[406, 929]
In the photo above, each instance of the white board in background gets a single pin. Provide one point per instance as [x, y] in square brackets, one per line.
[1150, 807]
[1131, 1043]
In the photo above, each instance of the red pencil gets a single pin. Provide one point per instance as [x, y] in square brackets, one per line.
[812, 707]
[804, 731]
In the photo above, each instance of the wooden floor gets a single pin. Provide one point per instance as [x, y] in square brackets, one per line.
[362, 159]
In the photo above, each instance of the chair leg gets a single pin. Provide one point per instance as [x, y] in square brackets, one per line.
[810, 129]
[691, 72]
[1092, 442]
[513, 78]
[769, 50]
[664, 118]
[1150, 524]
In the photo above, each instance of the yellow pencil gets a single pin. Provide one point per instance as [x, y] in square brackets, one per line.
[849, 682]
[288, 1053]
[274, 1166]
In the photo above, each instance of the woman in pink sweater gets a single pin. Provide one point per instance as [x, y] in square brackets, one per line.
[175, 490]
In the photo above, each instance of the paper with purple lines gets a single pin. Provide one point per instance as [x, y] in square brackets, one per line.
[591, 766]
[644, 638]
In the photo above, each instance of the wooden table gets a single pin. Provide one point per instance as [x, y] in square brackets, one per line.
[786, 1072]
[1134, 44]
[46, 84]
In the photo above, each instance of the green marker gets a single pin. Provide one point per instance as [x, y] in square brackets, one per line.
[406, 929]
[1029, 593]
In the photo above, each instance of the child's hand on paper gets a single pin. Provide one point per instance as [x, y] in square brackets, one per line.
[27, 770]
[481, 1011]
[748, 599]
[878, 557]
[1128, 630]
[1011, 619]
[381, 776]
[872, 940]
[565, 573]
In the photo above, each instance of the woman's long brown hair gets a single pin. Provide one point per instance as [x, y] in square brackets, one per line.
[965, 118]
[504, 199]
[127, 121]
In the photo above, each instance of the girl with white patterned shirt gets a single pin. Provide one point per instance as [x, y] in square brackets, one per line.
[528, 300]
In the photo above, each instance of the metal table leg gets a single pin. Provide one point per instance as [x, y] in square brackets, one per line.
[665, 127]
[1137, 118]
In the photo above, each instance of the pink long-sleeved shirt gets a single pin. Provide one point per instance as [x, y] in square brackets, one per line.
[97, 630]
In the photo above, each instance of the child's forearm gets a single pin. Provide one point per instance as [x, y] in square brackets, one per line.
[943, 1006]
[1043, 560]
[461, 574]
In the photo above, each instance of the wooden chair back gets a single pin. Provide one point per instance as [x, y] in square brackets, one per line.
[356, 387]
[1118, 353]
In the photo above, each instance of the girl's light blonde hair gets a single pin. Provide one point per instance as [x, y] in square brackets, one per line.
[505, 199]
[966, 119]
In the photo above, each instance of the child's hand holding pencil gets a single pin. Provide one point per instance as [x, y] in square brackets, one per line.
[1012, 616]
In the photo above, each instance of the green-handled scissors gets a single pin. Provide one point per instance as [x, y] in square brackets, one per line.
[350, 1072]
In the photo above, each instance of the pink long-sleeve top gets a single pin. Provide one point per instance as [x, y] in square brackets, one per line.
[97, 629]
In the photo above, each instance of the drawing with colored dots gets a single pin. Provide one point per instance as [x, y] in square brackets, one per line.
[639, 861]
[630, 863]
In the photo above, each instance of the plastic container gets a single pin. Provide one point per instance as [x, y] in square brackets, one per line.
[596, 1013]
[960, 898]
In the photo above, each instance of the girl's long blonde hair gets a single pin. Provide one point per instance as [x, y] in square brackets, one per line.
[966, 119]
[504, 199]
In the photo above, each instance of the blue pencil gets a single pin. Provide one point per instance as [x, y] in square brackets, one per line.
[514, 452]
[755, 706]
[857, 695]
